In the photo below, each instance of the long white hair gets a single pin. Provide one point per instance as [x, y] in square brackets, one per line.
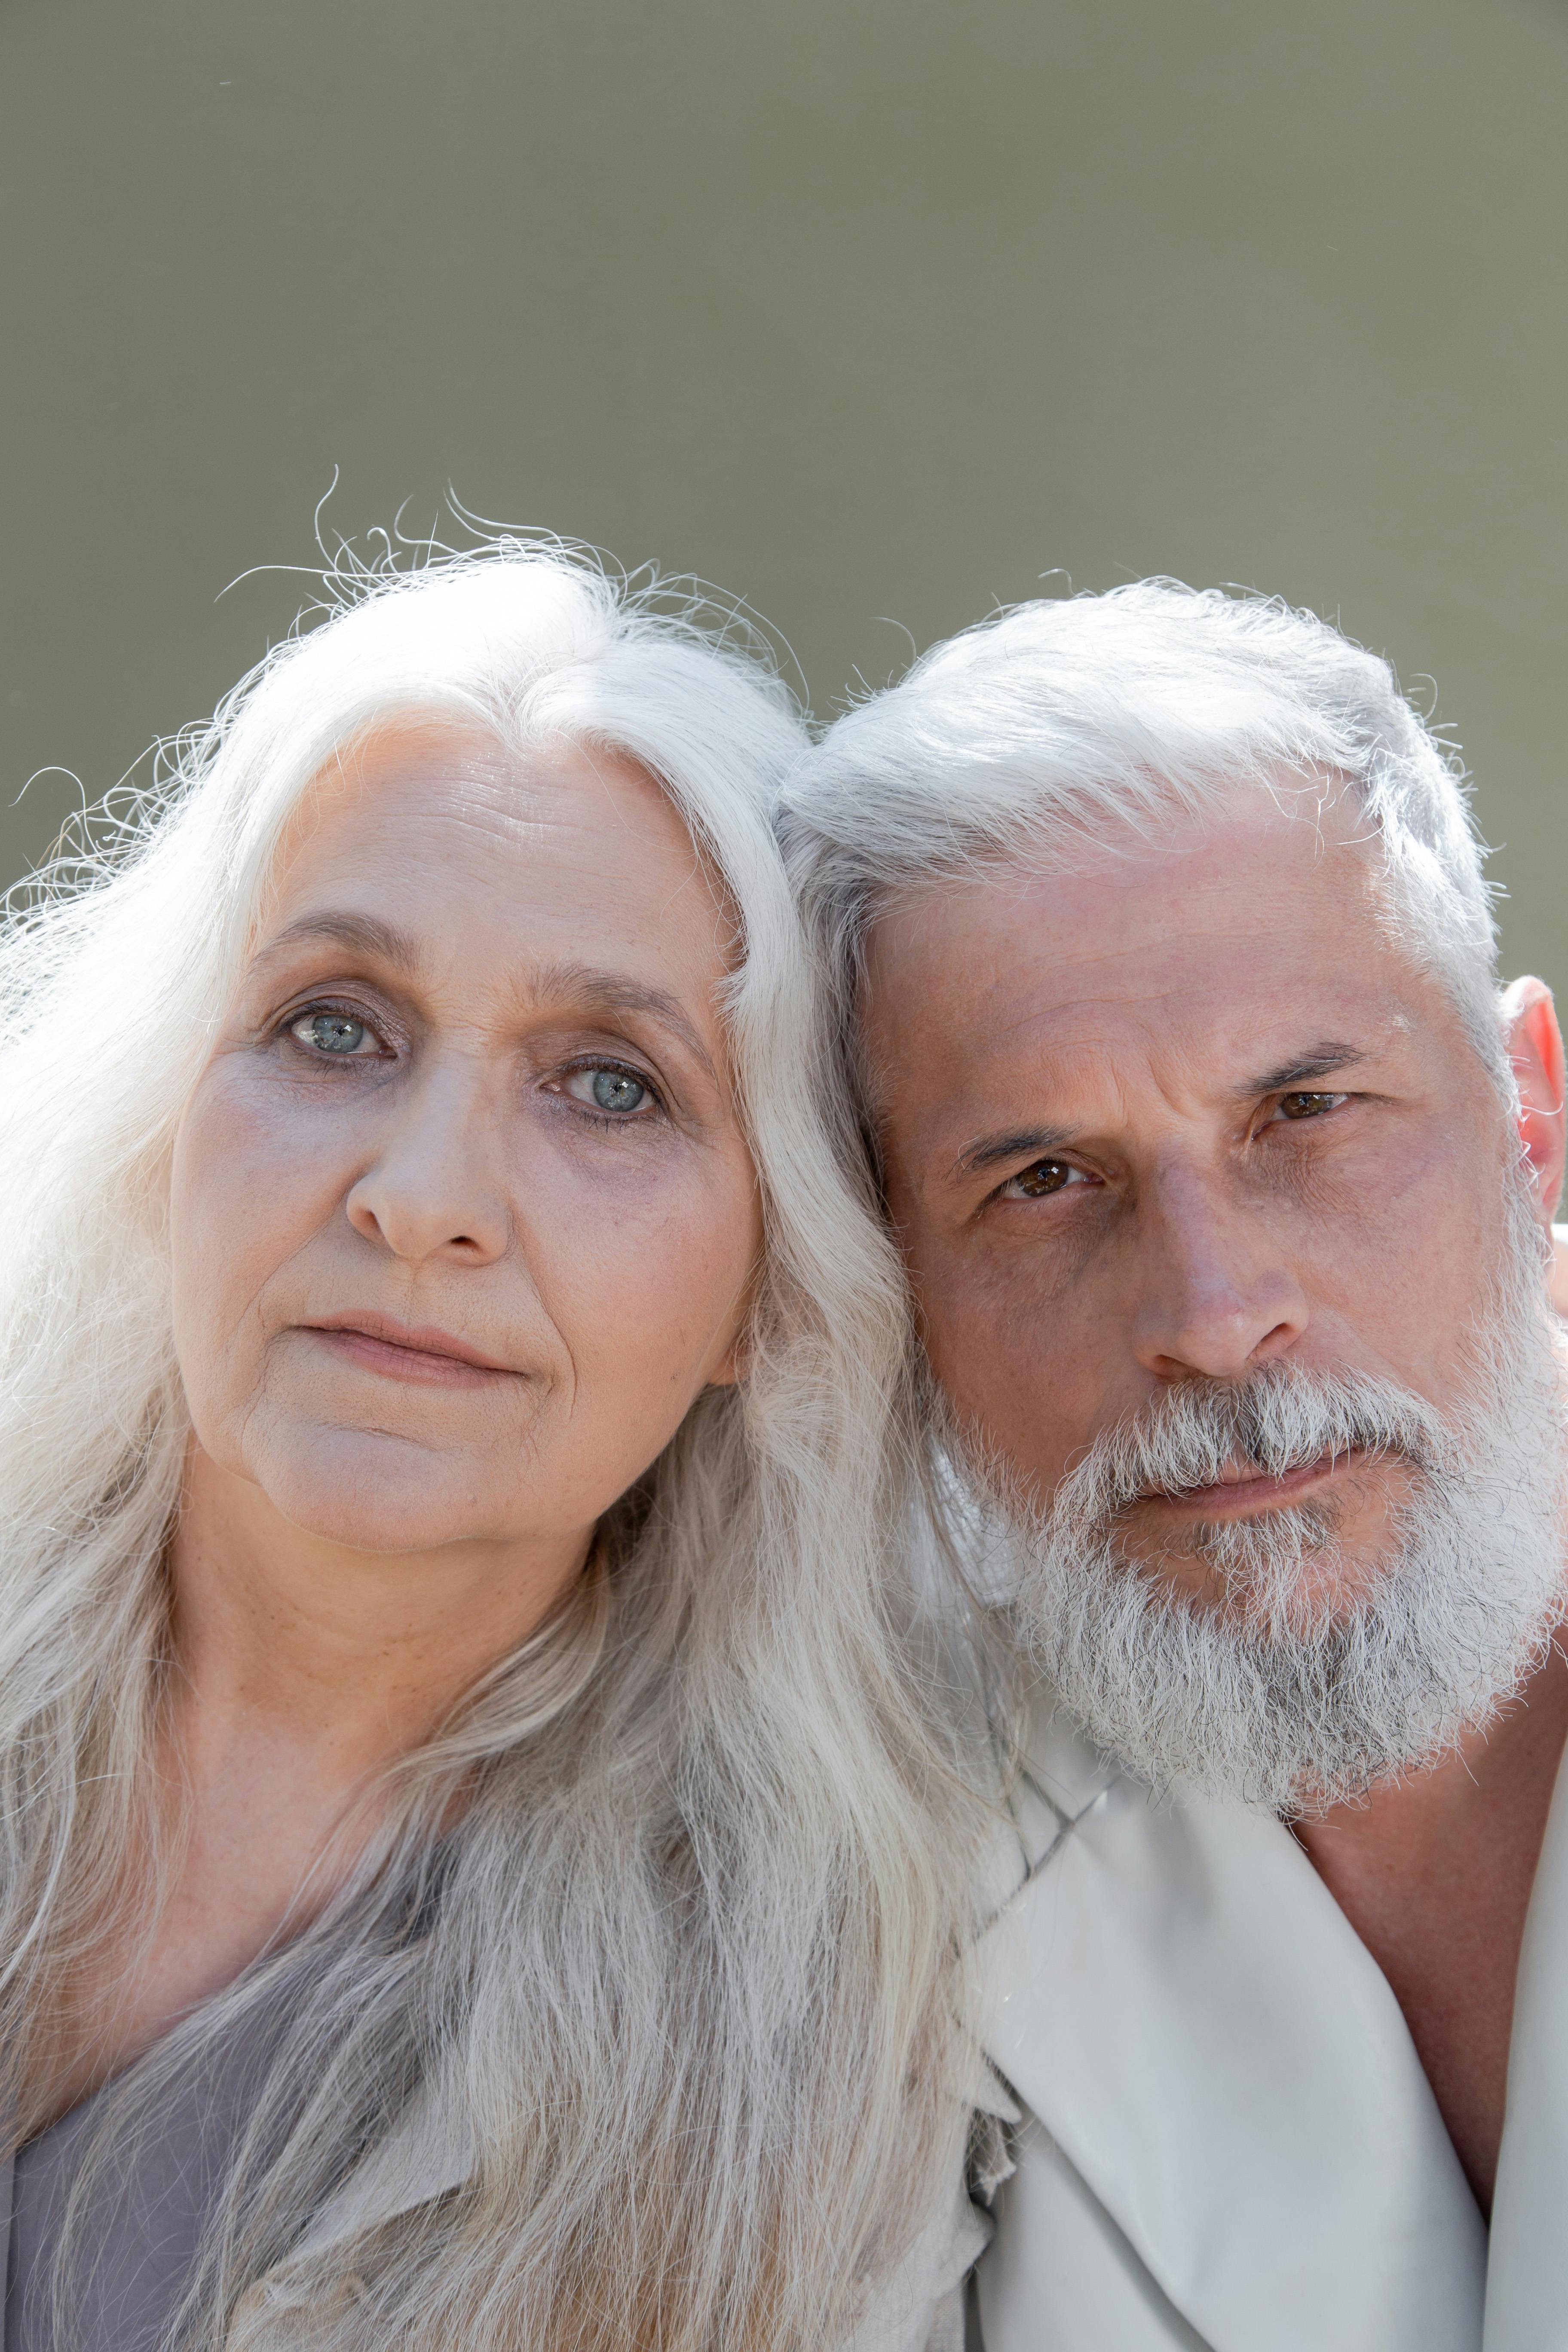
[681, 1958]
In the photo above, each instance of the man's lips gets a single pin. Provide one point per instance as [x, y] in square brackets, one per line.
[1242, 1491]
[403, 1351]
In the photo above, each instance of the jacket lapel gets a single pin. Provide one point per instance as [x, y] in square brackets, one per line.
[1527, 2288]
[1207, 2043]
[429, 2154]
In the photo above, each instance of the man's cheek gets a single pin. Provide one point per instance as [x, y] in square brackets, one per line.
[1000, 1367]
[1400, 1290]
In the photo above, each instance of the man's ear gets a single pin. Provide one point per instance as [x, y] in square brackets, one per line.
[1535, 1050]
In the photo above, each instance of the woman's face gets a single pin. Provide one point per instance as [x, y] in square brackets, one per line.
[463, 1217]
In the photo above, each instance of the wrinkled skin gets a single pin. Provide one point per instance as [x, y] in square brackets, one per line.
[1190, 1111]
[463, 1221]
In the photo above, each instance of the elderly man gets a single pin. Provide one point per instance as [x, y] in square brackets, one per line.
[1224, 1175]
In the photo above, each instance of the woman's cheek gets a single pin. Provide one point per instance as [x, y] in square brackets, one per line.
[246, 1190]
[651, 1304]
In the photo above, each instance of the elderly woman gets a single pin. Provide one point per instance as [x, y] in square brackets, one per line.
[475, 1866]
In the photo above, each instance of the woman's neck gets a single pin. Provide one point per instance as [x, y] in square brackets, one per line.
[302, 1672]
[345, 1660]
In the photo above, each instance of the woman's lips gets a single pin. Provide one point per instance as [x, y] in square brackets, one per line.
[1238, 1494]
[408, 1352]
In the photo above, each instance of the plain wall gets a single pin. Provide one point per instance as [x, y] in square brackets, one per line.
[873, 311]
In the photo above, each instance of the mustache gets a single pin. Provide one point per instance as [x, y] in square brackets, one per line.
[1281, 1418]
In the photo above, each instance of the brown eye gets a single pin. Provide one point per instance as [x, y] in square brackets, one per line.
[1045, 1176]
[1308, 1106]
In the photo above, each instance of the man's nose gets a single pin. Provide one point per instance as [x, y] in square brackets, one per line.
[431, 1189]
[1216, 1294]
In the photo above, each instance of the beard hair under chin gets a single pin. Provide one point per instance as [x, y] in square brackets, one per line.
[1287, 1693]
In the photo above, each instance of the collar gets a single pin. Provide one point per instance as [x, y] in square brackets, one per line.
[429, 2153]
[1527, 2285]
[1189, 2014]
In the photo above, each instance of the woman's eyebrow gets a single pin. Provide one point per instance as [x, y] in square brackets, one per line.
[367, 934]
[586, 989]
[582, 986]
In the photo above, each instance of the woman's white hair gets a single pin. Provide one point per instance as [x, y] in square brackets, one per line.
[1054, 726]
[683, 1956]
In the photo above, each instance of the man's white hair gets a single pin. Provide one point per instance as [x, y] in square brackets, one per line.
[1057, 724]
[1043, 737]
[681, 1960]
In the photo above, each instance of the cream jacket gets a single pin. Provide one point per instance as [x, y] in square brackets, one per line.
[1227, 2141]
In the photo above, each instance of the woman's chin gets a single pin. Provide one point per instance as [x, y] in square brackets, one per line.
[375, 1493]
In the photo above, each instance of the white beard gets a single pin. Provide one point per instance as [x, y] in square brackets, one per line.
[1284, 1693]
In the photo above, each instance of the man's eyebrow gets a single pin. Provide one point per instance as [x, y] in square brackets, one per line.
[1303, 1070]
[1018, 1143]
[1042, 1142]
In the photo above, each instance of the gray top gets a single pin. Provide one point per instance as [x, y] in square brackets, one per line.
[140, 2240]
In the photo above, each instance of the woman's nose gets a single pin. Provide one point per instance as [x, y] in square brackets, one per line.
[1216, 1294]
[431, 1189]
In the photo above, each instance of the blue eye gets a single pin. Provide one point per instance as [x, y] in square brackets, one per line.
[613, 1090]
[617, 1092]
[331, 1033]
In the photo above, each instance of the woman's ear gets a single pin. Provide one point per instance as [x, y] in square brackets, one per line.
[1535, 1050]
[736, 1360]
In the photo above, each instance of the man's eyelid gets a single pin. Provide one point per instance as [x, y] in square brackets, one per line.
[1062, 1159]
[1335, 1098]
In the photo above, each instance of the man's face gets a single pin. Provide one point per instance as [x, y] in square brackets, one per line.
[1183, 1115]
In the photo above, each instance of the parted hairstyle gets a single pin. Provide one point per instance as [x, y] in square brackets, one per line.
[1065, 724]
[680, 1957]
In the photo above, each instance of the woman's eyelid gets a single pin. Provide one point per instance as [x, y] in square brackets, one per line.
[584, 1064]
[627, 1058]
[374, 1030]
[391, 1032]
[359, 1000]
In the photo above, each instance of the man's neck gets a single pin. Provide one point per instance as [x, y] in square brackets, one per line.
[1435, 1874]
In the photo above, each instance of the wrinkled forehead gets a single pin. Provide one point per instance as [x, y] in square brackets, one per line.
[560, 875]
[1279, 827]
[422, 770]
[1209, 940]
[440, 796]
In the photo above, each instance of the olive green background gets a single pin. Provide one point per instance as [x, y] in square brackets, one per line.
[872, 311]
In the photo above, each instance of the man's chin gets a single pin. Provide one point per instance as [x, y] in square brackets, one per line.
[1304, 1595]
[1296, 1691]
